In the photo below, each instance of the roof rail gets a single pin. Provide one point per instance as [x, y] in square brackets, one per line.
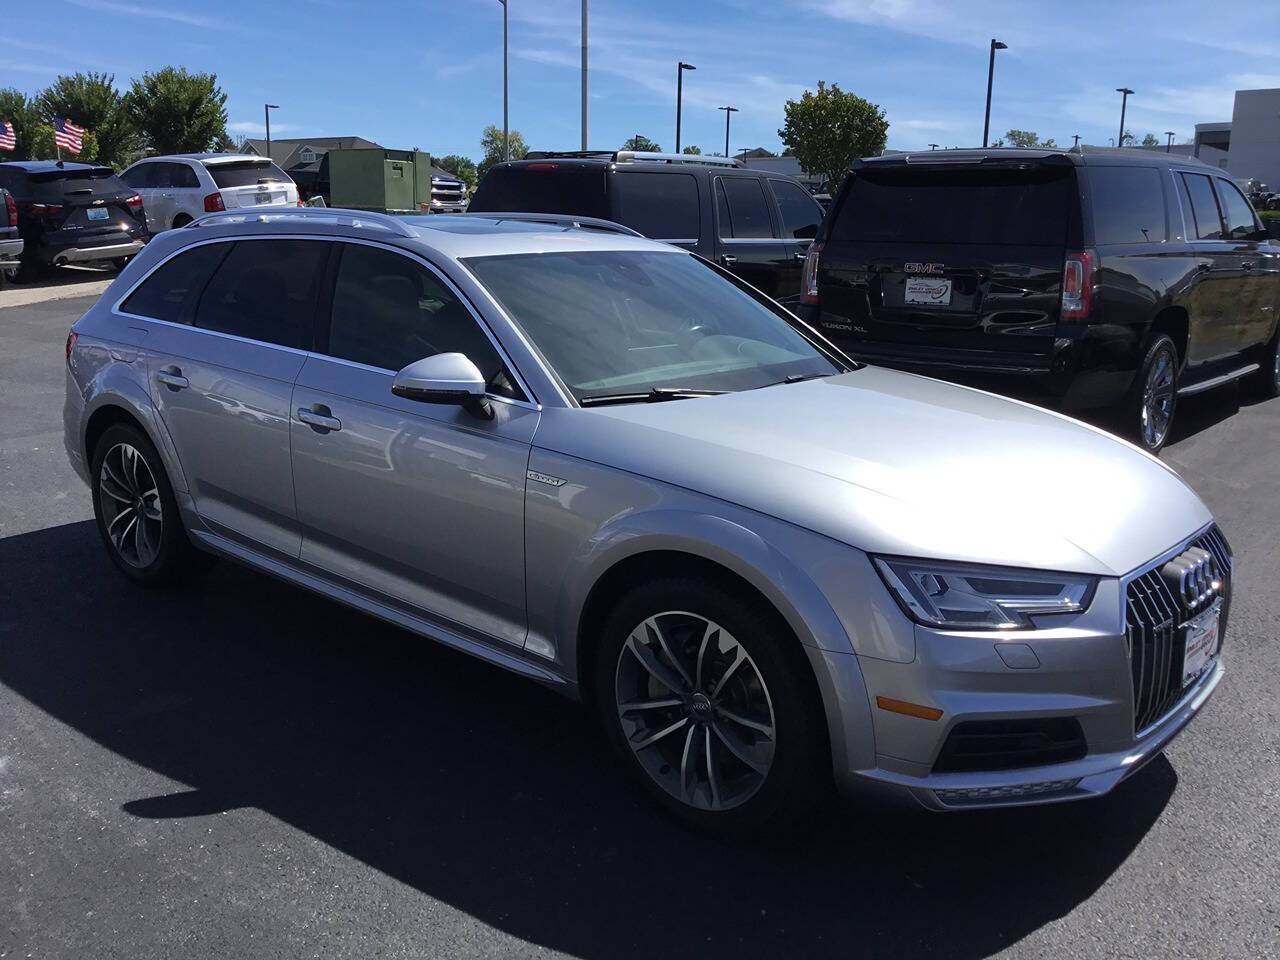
[567, 154]
[332, 215]
[629, 156]
[566, 220]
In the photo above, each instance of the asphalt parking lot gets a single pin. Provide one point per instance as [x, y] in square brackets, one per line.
[240, 769]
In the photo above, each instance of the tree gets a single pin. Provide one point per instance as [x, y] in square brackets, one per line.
[692, 150]
[641, 144]
[44, 146]
[491, 147]
[1022, 138]
[1127, 137]
[464, 168]
[176, 111]
[17, 109]
[1150, 140]
[830, 129]
[92, 101]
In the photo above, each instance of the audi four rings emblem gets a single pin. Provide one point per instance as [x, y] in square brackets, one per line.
[1194, 577]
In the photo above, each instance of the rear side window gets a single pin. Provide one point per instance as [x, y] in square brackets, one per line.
[800, 212]
[265, 290]
[171, 292]
[1204, 208]
[182, 175]
[1128, 205]
[389, 311]
[141, 176]
[1241, 223]
[662, 206]
[246, 173]
[1016, 207]
[543, 187]
[746, 209]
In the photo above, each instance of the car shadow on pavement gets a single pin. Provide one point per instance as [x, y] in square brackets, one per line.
[492, 794]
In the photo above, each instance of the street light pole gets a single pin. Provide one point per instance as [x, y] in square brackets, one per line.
[266, 114]
[584, 76]
[681, 67]
[932, 147]
[991, 72]
[727, 111]
[1124, 101]
[1168, 146]
[506, 135]
[1076, 137]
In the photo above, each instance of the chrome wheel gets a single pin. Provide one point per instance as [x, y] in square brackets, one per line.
[1158, 398]
[695, 710]
[129, 499]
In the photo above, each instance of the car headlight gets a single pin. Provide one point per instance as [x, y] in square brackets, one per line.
[962, 596]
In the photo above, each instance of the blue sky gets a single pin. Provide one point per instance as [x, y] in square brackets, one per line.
[429, 74]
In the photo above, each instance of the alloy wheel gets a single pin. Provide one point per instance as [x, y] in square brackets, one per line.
[130, 501]
[695, 710]
[1158, 398]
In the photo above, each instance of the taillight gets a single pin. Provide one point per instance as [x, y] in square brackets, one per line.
[12, 208]
[299, 203]
[809, 278]
[71, 344]
[44, 209]
[213, 203]
[134, 203]
[1079, 277]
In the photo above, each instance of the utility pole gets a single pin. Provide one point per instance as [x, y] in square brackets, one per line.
[727, 111]
[506, 135]
[266, 113]
[991, 72]
[681, 67]
[584, 76]
[932, 147]
[1124, 101]
[1076, 137]
[1168, 146]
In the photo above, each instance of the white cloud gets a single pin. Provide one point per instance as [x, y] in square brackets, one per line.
[159, 12]
[257, 129]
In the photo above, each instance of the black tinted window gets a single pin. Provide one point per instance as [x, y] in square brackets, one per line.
[963, 206]
[389, 311]
[543, 187]
[245, 173]
[1241, 223]
[1128, 205]
[663, 206]
[171, 292]
[265, 290]
[800, 212]
[747, 208]
[183, 176]
[1207, 223]
[140, 176]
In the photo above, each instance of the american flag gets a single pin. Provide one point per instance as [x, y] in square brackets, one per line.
[67, 135]
[8, 139]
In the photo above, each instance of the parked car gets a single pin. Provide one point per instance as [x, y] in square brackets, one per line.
[1087, 280]
[177, 189]
[448, 193]
[73, 212]
[755, 224]
[10, 239]
[616, 469]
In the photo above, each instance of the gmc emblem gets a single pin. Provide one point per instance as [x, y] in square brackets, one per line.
[915, 267]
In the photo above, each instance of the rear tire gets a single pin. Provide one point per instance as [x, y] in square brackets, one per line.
[136, 511]
[1147, 412]
[181, 220]
[1265, 384]
[731, 737]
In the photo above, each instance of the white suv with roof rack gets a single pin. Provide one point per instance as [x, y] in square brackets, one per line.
[177, 189]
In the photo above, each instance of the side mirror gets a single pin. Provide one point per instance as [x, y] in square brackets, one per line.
[444, 378]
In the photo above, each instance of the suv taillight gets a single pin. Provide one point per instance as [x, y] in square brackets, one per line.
[809, 278]
[134, 203]
[71, 344]
[44, 209]
[213, 203]
[1079, 277]
[12, 209]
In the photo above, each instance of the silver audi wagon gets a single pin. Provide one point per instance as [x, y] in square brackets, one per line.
[606, 464]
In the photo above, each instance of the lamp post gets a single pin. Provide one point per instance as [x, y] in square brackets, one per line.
[266, 114]
[1076, 138]
[727, 111]
[932, 147]
[584, 76]
[1168, 146]
[506, 136]
[1124, 102]
[991, 72]
[681, 67]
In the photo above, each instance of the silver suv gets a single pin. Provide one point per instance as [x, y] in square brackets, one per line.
[610, 466]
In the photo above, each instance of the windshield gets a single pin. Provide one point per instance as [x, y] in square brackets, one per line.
[629, 322]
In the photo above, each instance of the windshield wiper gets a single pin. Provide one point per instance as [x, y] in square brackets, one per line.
[654, 395]
[796, 378]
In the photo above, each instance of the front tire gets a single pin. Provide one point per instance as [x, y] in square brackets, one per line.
[1148, 410]
[703, 693]
[136, 511]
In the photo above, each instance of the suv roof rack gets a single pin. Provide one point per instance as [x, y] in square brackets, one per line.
[332, 215]
[632, 156]
[566, 220]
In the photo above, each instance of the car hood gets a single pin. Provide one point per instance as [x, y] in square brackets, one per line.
[895, 463]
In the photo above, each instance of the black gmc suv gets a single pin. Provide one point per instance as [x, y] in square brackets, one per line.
[1104, 279]
[755, 224]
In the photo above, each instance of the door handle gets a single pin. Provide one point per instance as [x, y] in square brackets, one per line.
[801, 255]
[320, 422]
[173, 379]
[728, 259]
